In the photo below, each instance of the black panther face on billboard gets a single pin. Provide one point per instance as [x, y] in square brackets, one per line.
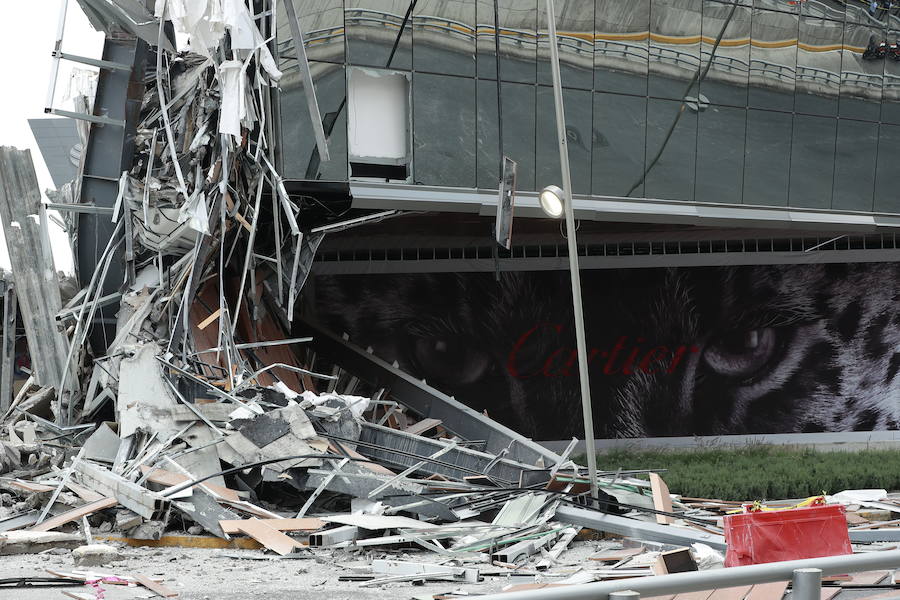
[672, 352]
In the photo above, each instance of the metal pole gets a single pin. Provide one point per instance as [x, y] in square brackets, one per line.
[590, 446]
[695, 581]
[625, 595]
[806, 584]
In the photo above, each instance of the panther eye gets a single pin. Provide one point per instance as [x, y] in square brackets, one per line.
[450, 361]
[741, 353]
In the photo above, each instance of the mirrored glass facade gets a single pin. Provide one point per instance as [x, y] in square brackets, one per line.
[756, 102]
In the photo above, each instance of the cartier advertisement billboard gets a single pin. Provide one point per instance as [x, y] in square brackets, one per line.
[672, 351]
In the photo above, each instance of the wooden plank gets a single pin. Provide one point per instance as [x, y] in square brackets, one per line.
[29, 486]
[731, 593]
[209, 320]
[270, 538]
[84, 493]
[75, 514]
[855, 519]
[157, 588]
[868, 577]
[423, 426]
[701, 595]
[171, 479]
[305, 524]
[661, 498]
[827, 593]
[768, 591]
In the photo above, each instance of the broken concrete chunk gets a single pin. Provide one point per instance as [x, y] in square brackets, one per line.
[33, 542]
[95, 555]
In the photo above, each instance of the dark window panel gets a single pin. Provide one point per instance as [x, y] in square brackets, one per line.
[773, 59]
[887, 177]
[812, 161]
[620, 46]
[720, 154]
[855, 160]
[372, 27]
[579, 133]
[574, 29]
[672, 175]
[299, 157]
[767, 158]
[619, 137]
[675, 28]
[444, 37]
[443, 122]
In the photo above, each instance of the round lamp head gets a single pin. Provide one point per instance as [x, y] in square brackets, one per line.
[552, 201]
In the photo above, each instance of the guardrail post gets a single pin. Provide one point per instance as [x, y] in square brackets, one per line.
[625, 595]
[807, 584]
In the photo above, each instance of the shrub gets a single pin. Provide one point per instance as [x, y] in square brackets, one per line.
[760, 472]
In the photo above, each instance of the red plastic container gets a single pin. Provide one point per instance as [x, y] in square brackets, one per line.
[761, 537]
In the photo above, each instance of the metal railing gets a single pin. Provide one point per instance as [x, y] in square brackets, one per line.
[697, 581]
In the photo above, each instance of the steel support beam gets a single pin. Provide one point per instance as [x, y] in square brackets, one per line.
[109, 151]
[633, 528]
[386, 196]
[425, 400]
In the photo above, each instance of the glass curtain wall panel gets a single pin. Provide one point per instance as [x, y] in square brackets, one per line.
[675, 28]
[444, 37]
[322, 25]
[518, 108]
[444, 123]
[374, 34]
[887, 175]
[619, 145]
[773, 59]
[812, 161]
[855, 161]
[575, 34]
[721, 134]
[671, 150]
[890, 105]
[579, 138]
[621, 34]
[862, 74]
[726, 80]
[818, 80]
[299, 156]
[518, 40]
[767, 157]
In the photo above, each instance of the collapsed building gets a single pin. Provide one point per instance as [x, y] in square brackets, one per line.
[200, 378]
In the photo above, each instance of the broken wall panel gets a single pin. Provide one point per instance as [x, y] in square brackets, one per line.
[32, 265]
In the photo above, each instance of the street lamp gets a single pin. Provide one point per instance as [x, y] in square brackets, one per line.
[555, 202]
[552, 199]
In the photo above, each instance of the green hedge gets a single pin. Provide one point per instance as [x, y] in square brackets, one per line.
[761, 472]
